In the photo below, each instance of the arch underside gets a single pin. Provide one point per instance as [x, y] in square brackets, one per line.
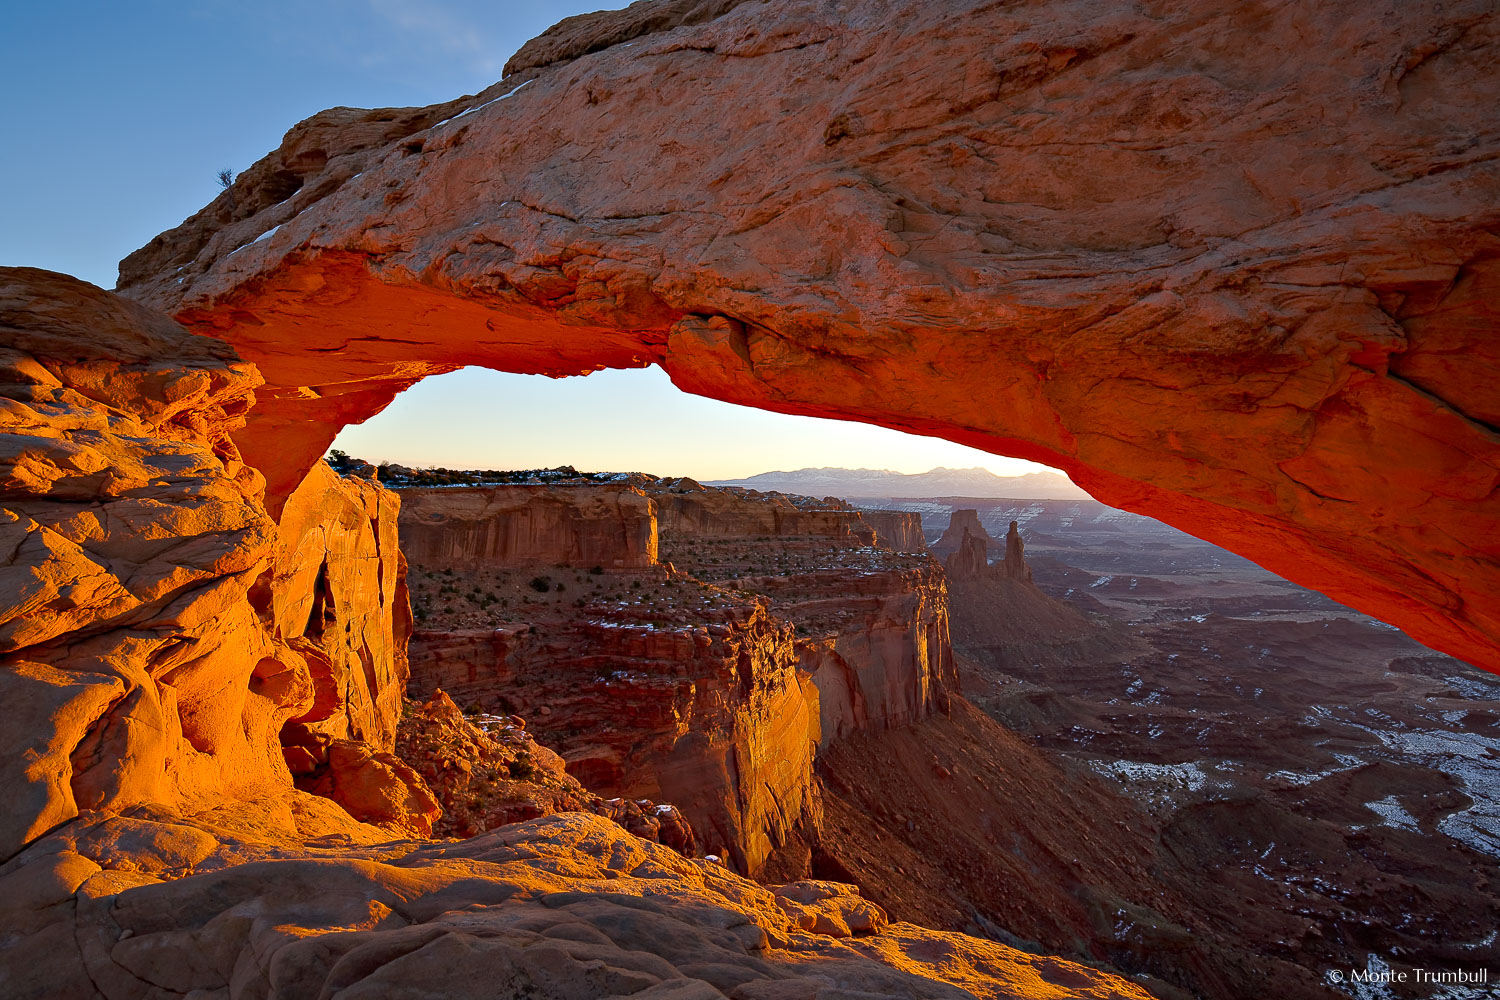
[1254, 300]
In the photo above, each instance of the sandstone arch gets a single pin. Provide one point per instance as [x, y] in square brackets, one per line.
[1246, 287]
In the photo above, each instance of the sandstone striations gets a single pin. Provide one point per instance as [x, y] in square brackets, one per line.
[338, 596]
[134, 667]
[693, 512]
[1244, 291]
[772, 628]
[897, 530]
[471, 527]
[705, 711]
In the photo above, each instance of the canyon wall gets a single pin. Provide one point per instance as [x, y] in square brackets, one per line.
[1245, 288]
[872, 627]
[713, 717]
[468, 526]
[885, 659]
[700, 512]
[772, 628]
[897, 530]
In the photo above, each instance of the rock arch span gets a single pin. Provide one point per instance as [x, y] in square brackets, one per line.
[1233, 265]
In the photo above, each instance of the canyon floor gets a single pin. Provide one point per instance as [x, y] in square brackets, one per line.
[1314, 792]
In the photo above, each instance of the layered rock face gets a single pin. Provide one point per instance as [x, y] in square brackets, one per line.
[338, 594]
[961, 523]
[872, 627]
[1244, 291]
[707, 713]
[876, 644]
[134, 667]
[897, 530]
[691, 512]
[478, 526]
[161, 635]
[773, 628]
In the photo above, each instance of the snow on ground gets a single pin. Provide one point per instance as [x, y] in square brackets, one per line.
[1157, 785]
[1393, 813]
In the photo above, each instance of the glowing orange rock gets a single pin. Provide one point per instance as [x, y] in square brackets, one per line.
[1246, 288]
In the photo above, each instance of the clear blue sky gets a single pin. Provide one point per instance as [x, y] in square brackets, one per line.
[119, 114]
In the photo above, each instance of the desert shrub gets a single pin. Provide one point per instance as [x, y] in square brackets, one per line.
[523, 767]
[541, 584]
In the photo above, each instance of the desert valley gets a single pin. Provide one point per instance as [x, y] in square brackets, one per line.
[1206, 704]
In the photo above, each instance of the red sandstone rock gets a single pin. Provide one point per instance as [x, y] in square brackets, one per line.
[1014, 565]
[511, 525]
[489, 772]
[971, 558]
[712, 718]
[376, 787]
[167, 648]
[961, 523]
[339, 598]
[897, 530]
[1245, 288]
[656, 686]
[561, 908]
[484, 779]
[831, 908]
[705, 513]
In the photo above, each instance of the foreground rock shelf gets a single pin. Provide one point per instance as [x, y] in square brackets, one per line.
[569, 907]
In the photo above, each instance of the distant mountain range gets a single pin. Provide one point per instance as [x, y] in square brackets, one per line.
[938, 482]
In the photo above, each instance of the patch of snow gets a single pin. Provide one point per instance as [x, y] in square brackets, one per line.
[1393, 814]
[1472, 688]
[1157, 785]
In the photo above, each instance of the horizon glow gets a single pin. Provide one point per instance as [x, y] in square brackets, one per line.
[630, 420]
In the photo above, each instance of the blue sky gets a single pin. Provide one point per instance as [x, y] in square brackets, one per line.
[119, 114]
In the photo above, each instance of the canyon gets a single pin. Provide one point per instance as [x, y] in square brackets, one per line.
[1306, 788]
[1247, 288]
[771, 627]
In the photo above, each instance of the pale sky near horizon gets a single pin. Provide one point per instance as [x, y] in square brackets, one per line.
[120, 115]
